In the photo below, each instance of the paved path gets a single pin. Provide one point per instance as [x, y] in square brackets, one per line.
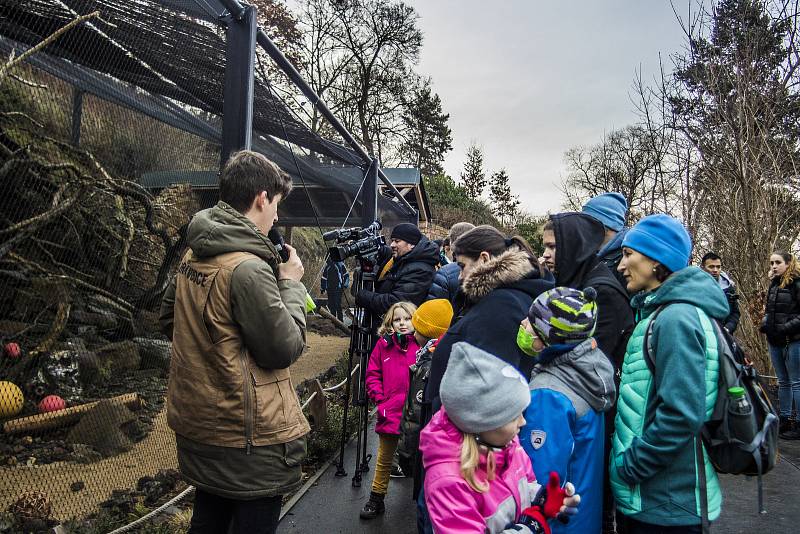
[332, 505]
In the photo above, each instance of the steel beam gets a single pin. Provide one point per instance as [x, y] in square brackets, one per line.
[237, 106]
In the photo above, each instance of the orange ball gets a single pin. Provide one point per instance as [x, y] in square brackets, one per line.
[52, 403]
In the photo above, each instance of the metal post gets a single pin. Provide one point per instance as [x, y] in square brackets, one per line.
[237, 107]
[369, 194]
[77, 114]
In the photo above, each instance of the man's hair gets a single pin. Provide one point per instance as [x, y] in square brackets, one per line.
[549, 226]
[246, 175]
[457, 230]
[709, 256]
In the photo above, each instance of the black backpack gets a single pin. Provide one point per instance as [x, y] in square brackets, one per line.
[749, 447]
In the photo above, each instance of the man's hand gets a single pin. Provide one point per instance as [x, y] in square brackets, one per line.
[291, 269]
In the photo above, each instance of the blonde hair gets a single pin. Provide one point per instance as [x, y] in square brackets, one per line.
[386, 325]
[471, 459]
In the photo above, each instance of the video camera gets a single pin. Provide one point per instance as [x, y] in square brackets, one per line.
[361, 242]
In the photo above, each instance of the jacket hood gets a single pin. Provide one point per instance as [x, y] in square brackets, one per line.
[587, 371]
[578, 238]
[222, 229]
[509, 268]
[440, 442]
[425, 251]
[725, 281]
[690, 285]
[615, 243]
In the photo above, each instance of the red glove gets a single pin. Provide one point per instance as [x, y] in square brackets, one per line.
[533, 518]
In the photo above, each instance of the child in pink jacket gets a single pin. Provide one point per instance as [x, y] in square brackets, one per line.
[387, 385]
[478, 478]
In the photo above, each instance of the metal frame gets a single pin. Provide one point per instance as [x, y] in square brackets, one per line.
[237, 11]
[237, 105]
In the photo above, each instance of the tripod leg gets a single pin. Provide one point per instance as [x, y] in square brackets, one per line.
[365, 458]
[357, 472]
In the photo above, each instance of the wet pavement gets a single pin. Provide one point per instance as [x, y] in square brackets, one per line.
[332, 504]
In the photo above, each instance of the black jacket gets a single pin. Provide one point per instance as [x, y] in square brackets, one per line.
[729, 288]
[445, 283]
[782, 320]
[408, 279]
[499, 294]
[578, 236]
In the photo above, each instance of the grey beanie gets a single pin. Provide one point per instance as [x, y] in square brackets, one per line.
[481, 392]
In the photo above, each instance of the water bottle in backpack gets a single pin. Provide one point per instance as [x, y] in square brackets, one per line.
[740, 415]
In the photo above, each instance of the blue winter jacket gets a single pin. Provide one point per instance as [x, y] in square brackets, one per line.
[564, 425]
[445, 282]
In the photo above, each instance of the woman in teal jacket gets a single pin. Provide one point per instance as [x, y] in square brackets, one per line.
[653, 466]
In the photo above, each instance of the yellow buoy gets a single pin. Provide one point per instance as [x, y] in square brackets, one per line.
[10, 399]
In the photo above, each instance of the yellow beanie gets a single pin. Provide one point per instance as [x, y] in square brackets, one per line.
[432, 318]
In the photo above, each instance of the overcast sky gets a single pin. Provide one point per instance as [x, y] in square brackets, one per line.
[528, 79]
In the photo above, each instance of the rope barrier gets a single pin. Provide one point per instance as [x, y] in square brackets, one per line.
[155, 512]
[188, 490]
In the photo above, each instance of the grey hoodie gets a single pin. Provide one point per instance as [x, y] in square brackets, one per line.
[583, 374]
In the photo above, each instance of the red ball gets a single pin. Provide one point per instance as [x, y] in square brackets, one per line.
[52, 403]
[12, 350]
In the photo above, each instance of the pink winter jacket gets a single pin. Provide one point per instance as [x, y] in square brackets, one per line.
[454, 507]
[387, 382]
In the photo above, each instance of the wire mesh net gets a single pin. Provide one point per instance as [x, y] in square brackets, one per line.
[110, 141]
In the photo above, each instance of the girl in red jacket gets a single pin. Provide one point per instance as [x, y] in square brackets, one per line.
[387, 385]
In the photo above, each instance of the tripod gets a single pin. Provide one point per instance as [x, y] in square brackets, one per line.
[362, 340]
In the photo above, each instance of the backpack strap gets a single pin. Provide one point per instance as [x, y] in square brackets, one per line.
[647, 342]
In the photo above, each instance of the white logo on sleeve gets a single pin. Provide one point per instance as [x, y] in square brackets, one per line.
[538, 438]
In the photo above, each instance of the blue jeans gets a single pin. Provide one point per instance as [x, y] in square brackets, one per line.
[423, 519]
[786, 361]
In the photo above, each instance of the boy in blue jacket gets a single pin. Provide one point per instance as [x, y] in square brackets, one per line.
[571, 385]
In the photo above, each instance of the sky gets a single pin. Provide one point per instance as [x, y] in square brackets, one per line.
[529, 79]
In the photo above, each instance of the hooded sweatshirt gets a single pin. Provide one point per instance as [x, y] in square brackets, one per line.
[408, 279]
[564, 427]
[659, 416]
[578, 236]
[453, 506]
[499, 292]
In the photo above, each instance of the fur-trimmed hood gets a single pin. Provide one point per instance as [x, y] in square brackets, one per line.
[504, 270]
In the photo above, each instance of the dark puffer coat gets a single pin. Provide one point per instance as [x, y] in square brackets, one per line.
[782, 320]
[409, 279]
[445, 283]
[578, 237]
[499, 293]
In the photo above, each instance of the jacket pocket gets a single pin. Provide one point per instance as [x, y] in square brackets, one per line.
[274, 400]
[294, 452]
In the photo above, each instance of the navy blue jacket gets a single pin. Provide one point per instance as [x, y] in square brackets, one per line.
[445, 282]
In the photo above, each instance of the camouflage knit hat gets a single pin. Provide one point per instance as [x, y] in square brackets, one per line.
[564, 315]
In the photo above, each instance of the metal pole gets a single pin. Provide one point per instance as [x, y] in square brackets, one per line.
[369, 194]
[286, 66]
[237, 106]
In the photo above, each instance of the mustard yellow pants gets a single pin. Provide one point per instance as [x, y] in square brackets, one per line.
[387, 444]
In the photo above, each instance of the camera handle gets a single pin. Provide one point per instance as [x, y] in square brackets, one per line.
[362, 341]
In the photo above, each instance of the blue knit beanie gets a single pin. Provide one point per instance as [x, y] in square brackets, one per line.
[661, 238]
[608, 208]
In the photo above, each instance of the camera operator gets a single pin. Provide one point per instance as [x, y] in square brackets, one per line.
[236, 317]
[407, 275]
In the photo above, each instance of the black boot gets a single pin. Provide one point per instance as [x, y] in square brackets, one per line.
[373, 507]
[784, 425]
[793, 433]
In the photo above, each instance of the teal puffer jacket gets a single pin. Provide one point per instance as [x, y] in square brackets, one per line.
[659, 417]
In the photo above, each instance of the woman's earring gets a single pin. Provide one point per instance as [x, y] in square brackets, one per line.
[654, 269]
